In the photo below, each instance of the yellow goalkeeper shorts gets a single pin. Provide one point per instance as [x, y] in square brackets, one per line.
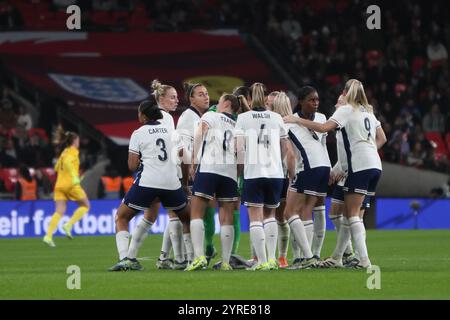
[74, 193]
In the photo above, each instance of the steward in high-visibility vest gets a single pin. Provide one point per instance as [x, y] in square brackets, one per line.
[111, 187]
[26, 188]
[127, 182]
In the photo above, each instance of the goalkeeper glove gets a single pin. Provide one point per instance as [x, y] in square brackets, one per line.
[75, 180]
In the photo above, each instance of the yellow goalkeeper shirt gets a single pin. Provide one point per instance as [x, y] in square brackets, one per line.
[67, 167]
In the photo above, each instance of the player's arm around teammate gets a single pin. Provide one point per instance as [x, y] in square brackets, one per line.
[359, 129]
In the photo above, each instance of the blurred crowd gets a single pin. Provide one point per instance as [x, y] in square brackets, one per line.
[404, 65]
[25, 145]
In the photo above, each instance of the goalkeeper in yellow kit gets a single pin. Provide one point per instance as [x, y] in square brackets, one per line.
[67, 185]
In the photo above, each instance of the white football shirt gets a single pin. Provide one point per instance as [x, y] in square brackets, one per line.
[186, 126]
[158, 144]
[263, 131]
[358, 129]
[218, 149]
[167, 119]
[310, 146]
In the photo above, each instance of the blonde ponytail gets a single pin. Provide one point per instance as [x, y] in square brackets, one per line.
[356, 96]
[243, 103]
[282, 104]
[258, 95]
[159, 89]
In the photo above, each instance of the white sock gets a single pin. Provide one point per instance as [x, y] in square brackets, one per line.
[299, 232]
[198, 237]
[166, 244]
[226, 240]
[140, 233]
[122, 238]
[271, 234]
[320, 224]
[296, 252]
[188, 244]
[343, 238]
[175, 232]
[252, 251]
[183, 249]
[258, 239]
[337, 222]
[309, 229]
[283, 238]
[358, 234]
[357, 256]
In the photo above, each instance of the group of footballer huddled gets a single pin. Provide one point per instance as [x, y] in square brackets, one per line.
[250, 148]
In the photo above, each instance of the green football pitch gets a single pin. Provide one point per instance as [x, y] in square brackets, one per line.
[413, 265]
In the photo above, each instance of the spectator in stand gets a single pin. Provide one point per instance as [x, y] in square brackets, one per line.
[399, 142]
[411, 109]
[21, 142]
[103, 5]
[291, 27]
[434, 121]
[39, 151]
[417, 156]
[10, 17]
[63, 4]
[24, 119]
[26, 187]
[436, 51]
[8, 155]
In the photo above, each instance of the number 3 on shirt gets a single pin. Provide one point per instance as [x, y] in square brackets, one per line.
[162, 144]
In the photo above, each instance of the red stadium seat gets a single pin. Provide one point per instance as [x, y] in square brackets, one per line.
[123, 16]
[441, 148]
[417, 64]
[102, 18]
[9, 177]
[333, 79]
[341, 5]
[447, 140]
[49, 173]
[38, 131]
[139, 22]
[373, 57]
